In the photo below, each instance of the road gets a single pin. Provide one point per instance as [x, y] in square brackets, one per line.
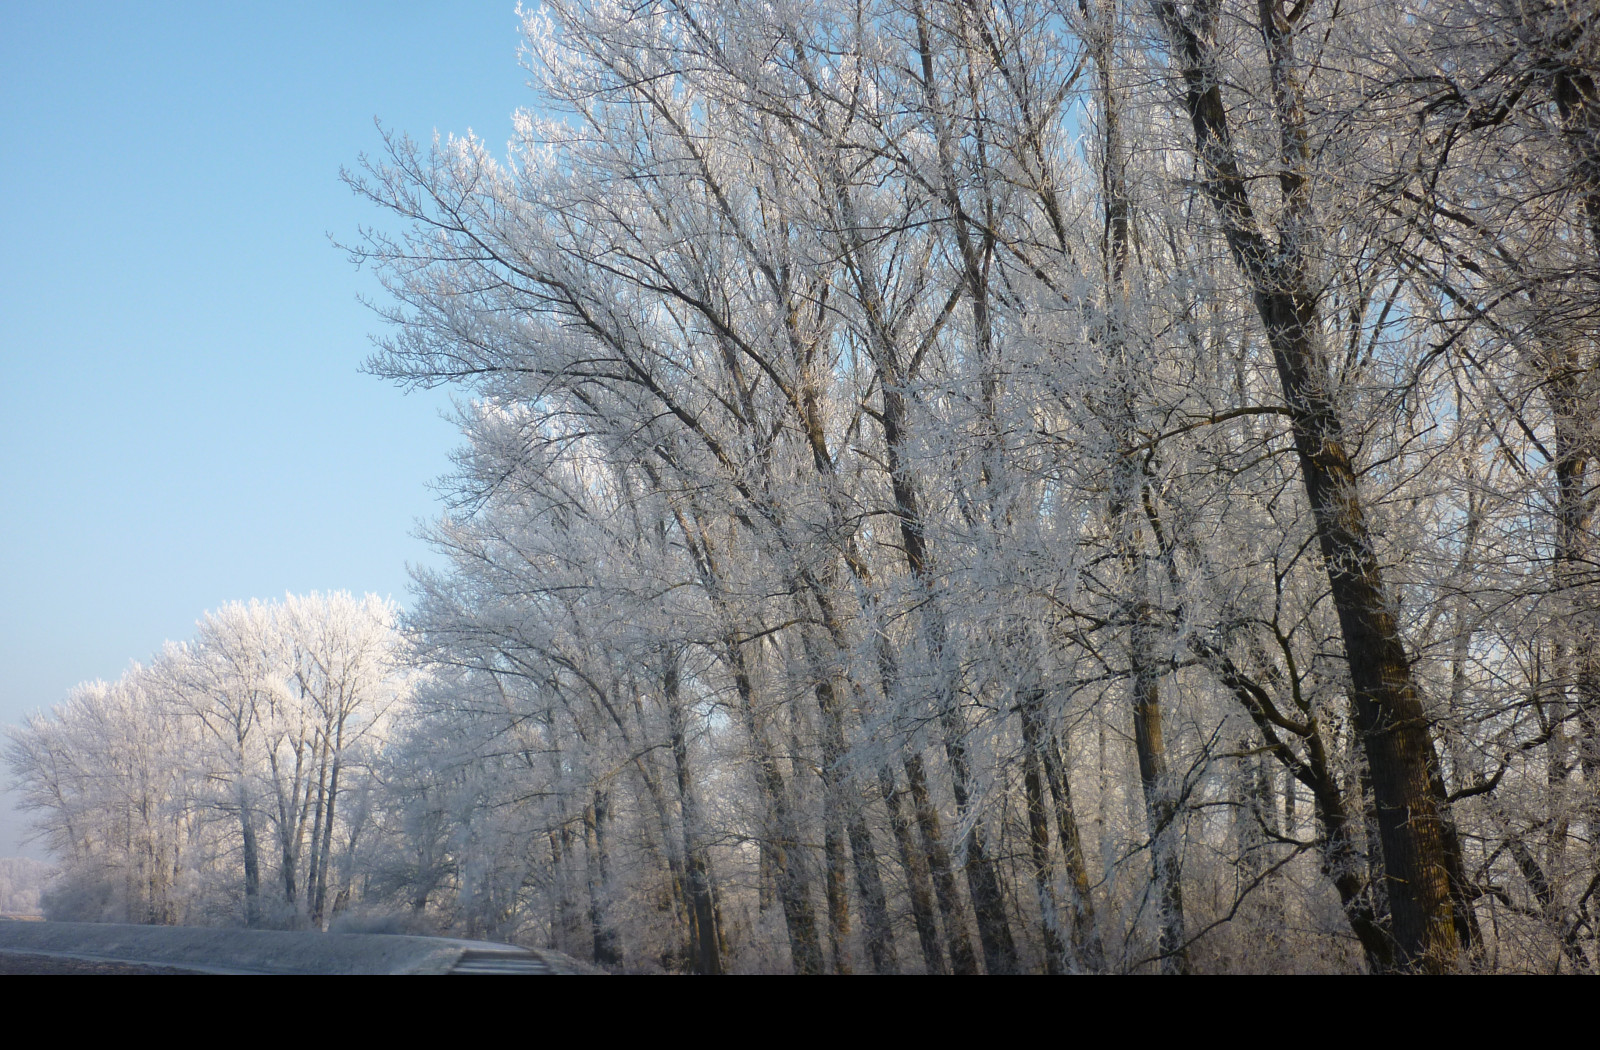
[81, 947]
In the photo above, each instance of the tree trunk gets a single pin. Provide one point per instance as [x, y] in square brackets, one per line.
[780, 846]
[1055, 948]
[1127, 501]
[1086, 926]
[962, 958]
[843, 809]
[869, 884]
[838, 888]
[1160, 808]
[1041, 754]
[1572, 390]
[252, 863]
[607, 952]
[919, 887]
[319, 898]
[320, 799]
[704, 943]
[1388, 706]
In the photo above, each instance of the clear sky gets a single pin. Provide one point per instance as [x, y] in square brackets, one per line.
[183, 421]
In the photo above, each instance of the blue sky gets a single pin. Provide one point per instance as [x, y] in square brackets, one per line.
[182, 417]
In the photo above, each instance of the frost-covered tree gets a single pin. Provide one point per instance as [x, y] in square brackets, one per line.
[916, 402]
[155, 792]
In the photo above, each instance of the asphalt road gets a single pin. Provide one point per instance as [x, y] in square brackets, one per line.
[108, 948]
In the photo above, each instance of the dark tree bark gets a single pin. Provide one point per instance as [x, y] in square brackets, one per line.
[780, 845]
[1412, 811]
[1055, 948]
[607, 946]
[252, 864]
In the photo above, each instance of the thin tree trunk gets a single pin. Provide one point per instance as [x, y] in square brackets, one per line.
[837, 887]
[1160, 808]
[607, 952]
[704, 942]
[252, 863]
[1128, 492]
[321, 895]
[1055, 948]
[919, 887]
[835, 879]
[1041, 755]
[843, 810]
[1090, 947]
[962, 958]
[558, 895]
[320, 804]
[1572, 391]
[780, 845]
[874, 901]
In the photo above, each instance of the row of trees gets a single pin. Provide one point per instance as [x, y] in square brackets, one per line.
[989, 487]
[1020, 485]
[22, 879]
[229, 780]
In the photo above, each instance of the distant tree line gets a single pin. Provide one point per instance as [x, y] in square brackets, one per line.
[230, 780]
[22, 880]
